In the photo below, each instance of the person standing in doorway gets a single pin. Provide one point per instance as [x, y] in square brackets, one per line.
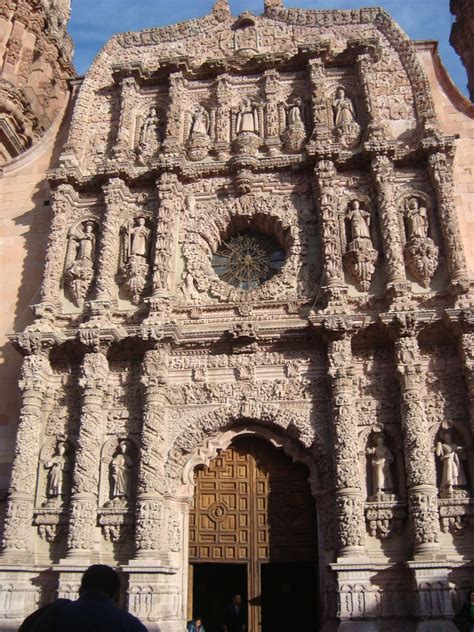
[235, 619]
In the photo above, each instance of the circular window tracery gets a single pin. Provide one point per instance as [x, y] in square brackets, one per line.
[247, 260]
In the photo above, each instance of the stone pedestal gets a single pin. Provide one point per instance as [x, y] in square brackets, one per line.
[433, 599]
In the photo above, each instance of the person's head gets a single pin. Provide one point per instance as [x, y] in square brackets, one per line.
[237, 599]
[341, 93]
[101, 578]
[355, 204]
[141, 221]
[198, 621]
[470, 597]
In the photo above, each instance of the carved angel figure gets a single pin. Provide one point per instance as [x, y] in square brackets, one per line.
[57, 466]
[343, 109]
[360, 221]
[247, 117]
[137, 238]
[417, 220]
[452, 472]
[380, 462]
[201, 121]
[121, 469]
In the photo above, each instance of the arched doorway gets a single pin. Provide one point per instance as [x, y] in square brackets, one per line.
[253, 531]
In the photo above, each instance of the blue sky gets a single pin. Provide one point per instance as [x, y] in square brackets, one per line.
[94, 21]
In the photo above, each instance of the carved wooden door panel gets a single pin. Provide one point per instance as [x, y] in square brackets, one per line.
[252, 505]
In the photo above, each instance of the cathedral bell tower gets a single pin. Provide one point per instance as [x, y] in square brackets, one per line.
[35, 63]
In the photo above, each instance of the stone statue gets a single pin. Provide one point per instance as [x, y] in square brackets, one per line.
[138, 238]
[452, 472]
[57, 466]
[294, 113]
[417, 220]
[360, 221]
[201, 121]
[247, 117]
[149, 131]
[343, 108]
[85, 243]
[380, 462]
[121, 468]
[79, 268]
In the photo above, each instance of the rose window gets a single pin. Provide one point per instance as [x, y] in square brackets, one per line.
[247, 260]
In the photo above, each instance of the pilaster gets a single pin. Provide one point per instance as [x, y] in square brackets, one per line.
[224, 96]
[85, 486]
[441, 172]
[171, 143]
[333, 276]
[123, 150]
[63, 200]
[395, 276]
[114, 193]
[17, 540]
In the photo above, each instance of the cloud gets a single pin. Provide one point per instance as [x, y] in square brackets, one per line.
[95, 21]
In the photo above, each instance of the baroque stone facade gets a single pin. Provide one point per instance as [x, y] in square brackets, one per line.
[255, 230]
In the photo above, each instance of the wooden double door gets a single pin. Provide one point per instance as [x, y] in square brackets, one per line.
[253, 532]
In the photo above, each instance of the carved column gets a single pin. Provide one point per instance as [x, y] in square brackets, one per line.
[17, 536]
[123, 149]
[419, 455]
[224, 98]
[272, 128]
[173, 121]
[333, 276]
[114, 192]
[382, 174]
[63, 200]
[441, 172]
[349, 501]
[85, 486]
[466, 350]
[150, 540]
[317, 81]
[167, 227]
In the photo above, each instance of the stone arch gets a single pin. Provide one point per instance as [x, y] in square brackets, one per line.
[202, 441]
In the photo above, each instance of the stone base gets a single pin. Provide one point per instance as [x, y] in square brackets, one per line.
[437, 626]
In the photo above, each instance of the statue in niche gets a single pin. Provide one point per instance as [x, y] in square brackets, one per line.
[121, 470]
[294, 135]
[360, 221]
[149, 136]
[343, 108]
[80, 261]
[421, 253]
[381, 460]
[346, 127]
[57, 467]
[136, 238]
[360, 256]
[450, 456]
[247, 117]
[417, 220]
[201, 121]
[199, 140]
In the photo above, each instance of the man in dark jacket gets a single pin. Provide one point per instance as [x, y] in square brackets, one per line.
[235, 619]
[465, 619]
[94, 611]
